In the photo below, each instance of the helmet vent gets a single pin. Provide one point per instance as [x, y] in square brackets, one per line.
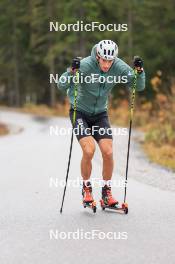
[107, 49]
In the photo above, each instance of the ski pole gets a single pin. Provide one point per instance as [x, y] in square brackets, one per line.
[130, 127]
[71, 144]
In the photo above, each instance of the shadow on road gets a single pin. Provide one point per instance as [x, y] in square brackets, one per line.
[41, 119]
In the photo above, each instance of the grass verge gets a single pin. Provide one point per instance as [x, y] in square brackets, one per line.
[3, 129]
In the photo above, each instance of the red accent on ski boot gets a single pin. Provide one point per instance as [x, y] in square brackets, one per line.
[107, 197]
[87, 193]
[125, 208]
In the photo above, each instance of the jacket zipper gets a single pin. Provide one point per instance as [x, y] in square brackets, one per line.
[100, 86]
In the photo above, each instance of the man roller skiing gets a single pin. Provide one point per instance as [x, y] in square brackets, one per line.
[91, 110]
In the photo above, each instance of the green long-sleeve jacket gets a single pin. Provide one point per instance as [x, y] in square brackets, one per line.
[93, 93]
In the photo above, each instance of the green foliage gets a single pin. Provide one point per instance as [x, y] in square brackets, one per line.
[161, 135]
[29, 51]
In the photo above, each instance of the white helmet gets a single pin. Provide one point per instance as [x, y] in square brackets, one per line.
[107, 49]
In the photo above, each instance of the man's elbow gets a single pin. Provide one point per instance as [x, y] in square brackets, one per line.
[141, 83]
[61, 85]
[141, 86]
[140, 89]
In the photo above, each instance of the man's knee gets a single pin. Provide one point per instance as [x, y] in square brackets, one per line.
[88, 147]
[88, 152]
[107, 153]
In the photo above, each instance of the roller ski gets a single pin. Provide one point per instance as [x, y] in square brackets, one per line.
[88, 200]
[109, 202]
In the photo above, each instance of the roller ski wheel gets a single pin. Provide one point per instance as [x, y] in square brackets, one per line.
[91, 205]
[123, 208]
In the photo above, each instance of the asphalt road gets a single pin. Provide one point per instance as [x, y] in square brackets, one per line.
[33, 163]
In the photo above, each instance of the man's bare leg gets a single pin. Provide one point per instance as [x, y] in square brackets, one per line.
[106, 147]
[88, 147]
[108, 165]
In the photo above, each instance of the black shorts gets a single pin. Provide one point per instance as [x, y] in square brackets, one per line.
[97, 125]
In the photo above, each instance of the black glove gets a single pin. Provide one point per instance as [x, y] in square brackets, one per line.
[138, 64]
[76, 64]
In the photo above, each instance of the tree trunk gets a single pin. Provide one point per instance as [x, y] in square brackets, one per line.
[81, 50]
[51, 60]
[130, 26]
[16, 65]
